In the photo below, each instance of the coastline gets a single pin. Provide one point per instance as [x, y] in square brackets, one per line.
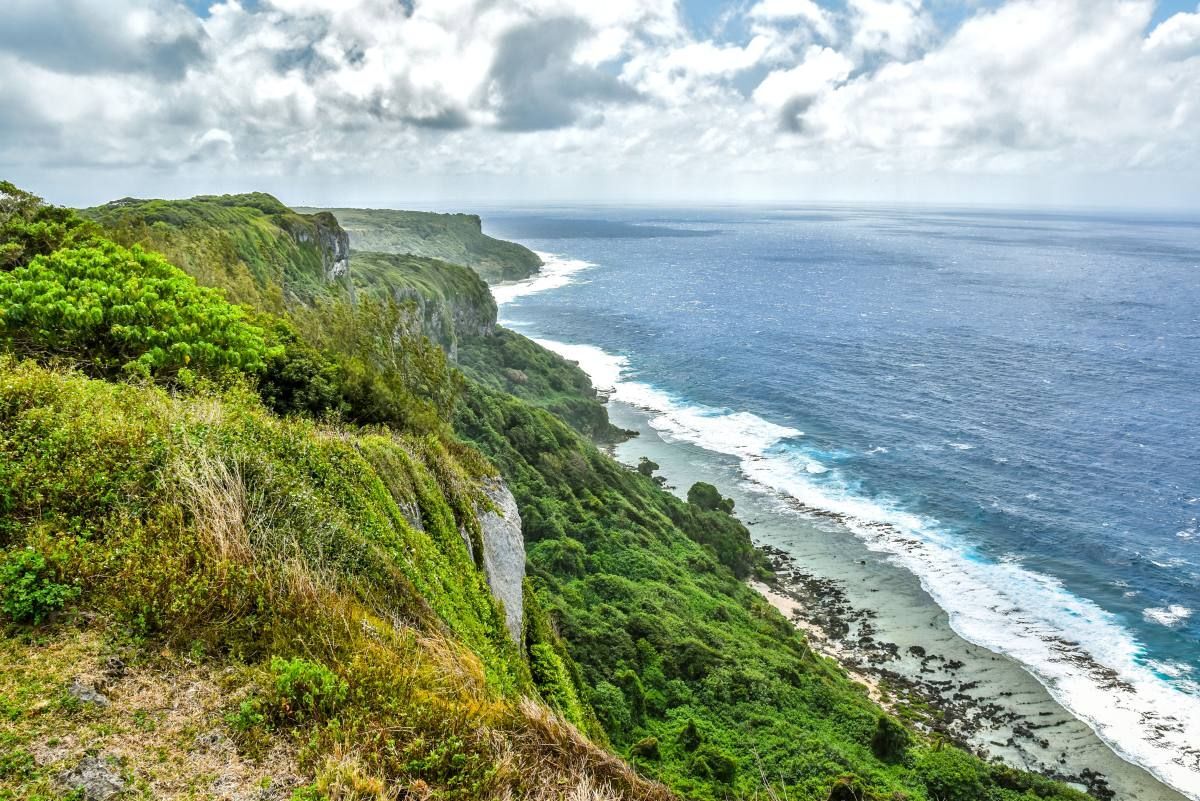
[876, 621]
[863, 606]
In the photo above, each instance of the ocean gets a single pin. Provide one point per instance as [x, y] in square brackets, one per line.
[1005, 404]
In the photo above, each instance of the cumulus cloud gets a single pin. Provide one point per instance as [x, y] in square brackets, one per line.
[808, 11]
[616, 94]
[120, 36]
[534, 82]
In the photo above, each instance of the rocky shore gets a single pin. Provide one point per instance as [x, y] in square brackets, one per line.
[926, 689]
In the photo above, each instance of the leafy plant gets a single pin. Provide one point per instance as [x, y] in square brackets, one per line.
[890, 740]
[29, 227]
[123, 310]
[28, 590]
[707, 497]
[305, 690]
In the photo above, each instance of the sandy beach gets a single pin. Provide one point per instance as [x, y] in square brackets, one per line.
[874, 618]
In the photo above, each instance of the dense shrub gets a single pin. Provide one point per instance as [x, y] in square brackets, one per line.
[29, 227]
[890, 740]
[707, 497]
[29, 592]
[952, 775]
[305, 690]
[389, 372]
[123, 310]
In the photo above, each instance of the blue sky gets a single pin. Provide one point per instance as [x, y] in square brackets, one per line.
[1044, 102]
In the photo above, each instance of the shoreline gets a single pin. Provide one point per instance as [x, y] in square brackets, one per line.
[867, 609]
[875, 620]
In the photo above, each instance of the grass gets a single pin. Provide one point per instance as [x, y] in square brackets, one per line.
[203, 532]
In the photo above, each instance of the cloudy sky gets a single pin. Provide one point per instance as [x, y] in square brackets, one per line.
[434, 102]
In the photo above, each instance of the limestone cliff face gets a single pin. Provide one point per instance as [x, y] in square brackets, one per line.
[504, 552]
[331, 240]
[444, 321]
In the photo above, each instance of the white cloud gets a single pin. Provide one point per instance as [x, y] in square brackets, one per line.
[893, 27]
[1178, 37]
[822, 69]
[785, 10]
[617, 97]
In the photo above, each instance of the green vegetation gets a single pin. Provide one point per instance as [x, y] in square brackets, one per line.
[30, 228]
[112, 310]
[259, 251]
[706, 496]
[513, 364]
[454, 238]
[451, 301]
[289, 539]
[29, 592]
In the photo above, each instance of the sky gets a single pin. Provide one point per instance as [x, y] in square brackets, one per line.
[433, 103]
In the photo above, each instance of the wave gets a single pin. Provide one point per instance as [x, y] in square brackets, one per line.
[556, 272]
[1168, 616]
[1081, 653]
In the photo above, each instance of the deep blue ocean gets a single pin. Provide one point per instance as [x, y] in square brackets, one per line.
[1020, 392]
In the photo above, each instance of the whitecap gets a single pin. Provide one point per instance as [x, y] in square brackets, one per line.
[556, 272]
[961, 446]
[1169, 616]
[1080, 652]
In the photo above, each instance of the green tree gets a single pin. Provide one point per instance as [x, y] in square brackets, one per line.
[390, 372]
[890, 740]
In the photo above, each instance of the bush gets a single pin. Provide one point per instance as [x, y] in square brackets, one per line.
[952, 775]
[710, 762]
[647, 467]
[646, 748]
[29, 228]
[28, 591]
[305, 690]
[706, 496]
[121, 309]
[611, 707]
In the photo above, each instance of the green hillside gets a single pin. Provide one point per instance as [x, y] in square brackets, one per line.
[456, 238]
[259, 251]
[300, 533]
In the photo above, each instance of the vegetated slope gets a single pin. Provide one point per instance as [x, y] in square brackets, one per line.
[259, 251]
[513, 364]
[638, 627]
[309, 585]
[456, 238]
[696, 678]
[320, 591]
[237, 242]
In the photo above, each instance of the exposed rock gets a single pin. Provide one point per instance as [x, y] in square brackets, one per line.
[114, 669]
[331, 241]
[96, 776]
[86, 692]
[504, 552]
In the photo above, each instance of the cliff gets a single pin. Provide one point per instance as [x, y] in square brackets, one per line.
[455, 238]
[260, 252]
[306, 539]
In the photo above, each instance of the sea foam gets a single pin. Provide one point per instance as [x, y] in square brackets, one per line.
[1077, 650]
[556, 271]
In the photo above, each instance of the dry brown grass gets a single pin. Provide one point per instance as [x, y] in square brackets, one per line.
[551, 751]
[164, 724]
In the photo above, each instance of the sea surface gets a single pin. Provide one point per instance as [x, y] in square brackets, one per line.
[1007, 404]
